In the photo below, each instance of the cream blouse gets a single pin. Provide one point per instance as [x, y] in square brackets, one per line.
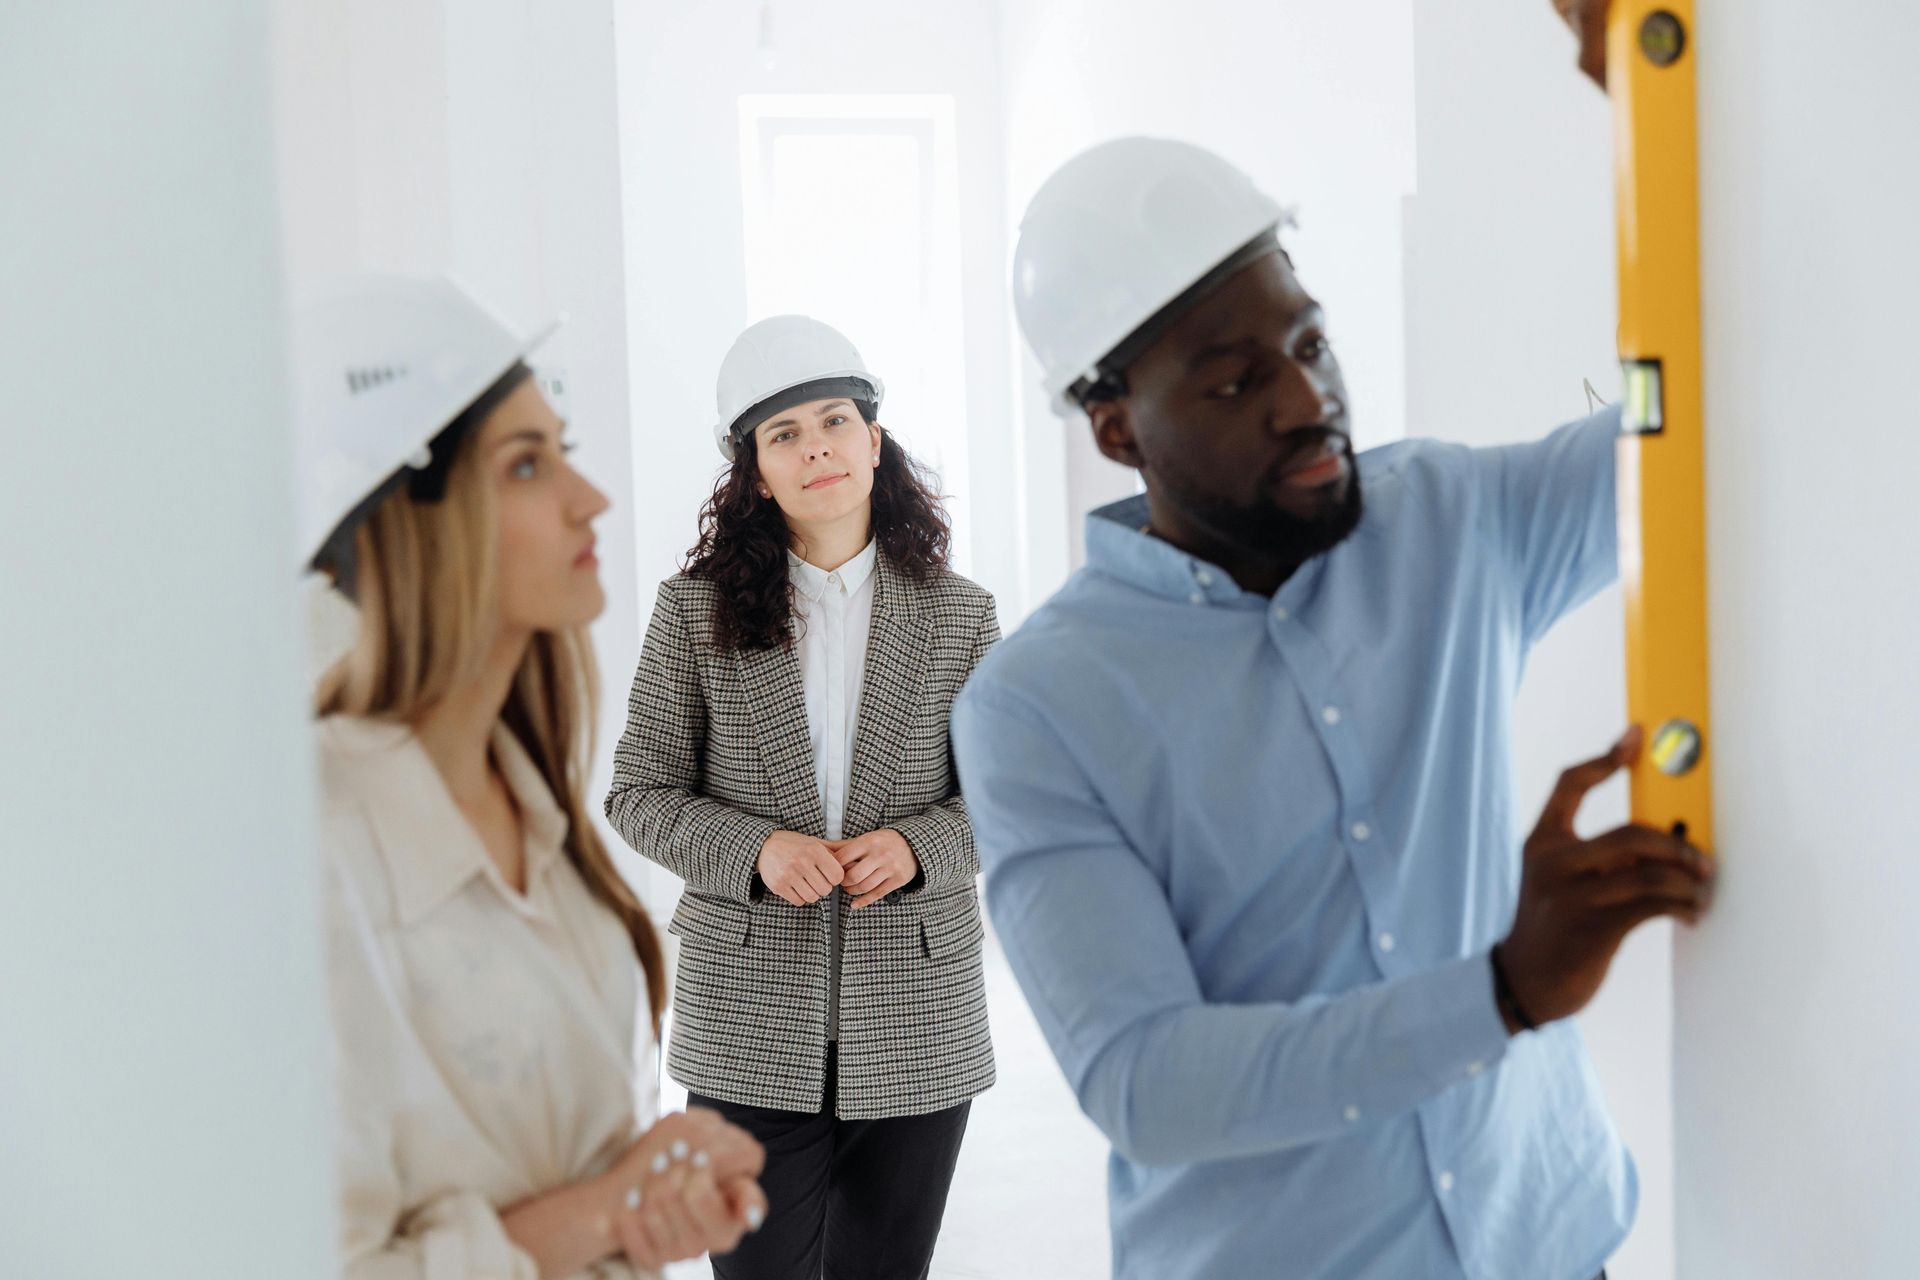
[486, 1041]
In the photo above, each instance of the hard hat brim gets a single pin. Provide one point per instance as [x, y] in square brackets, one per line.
[727, 433]
[459, 398]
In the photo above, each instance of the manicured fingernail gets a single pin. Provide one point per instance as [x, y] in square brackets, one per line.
[633, 1199]
[755, 1217]
[679, 1149]
[659, 1162]
[699, 1159]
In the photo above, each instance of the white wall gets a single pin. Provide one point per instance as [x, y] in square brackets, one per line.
[1032, 83]
[1510, 305]
[1314, 100]
[1799, 1005]
[581, 157]
[162, 1042]
[686, 273]
[481, 137]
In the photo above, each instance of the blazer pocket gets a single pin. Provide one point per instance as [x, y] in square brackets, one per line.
[716, 922]
[950, 927]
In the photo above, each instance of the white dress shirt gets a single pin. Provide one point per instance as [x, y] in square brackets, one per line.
[486, 1041]
[832, 616]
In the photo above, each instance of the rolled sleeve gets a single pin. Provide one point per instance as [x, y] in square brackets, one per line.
[455, 1237]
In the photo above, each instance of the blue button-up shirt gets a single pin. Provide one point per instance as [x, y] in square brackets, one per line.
[1247, 857]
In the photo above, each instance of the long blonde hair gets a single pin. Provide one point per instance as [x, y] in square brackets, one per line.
[427, 586]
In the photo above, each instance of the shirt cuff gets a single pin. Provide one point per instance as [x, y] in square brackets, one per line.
[462, 1238]
[1455, 1019]
[749, 835]
[928, 836]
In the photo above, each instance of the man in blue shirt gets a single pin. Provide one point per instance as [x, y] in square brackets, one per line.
[1241, 788]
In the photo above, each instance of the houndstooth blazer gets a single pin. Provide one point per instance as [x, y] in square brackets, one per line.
[715, 759]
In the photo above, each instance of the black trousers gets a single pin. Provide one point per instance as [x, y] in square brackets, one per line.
[846, 1199]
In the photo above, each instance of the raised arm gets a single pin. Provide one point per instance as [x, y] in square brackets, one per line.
[1548, 507]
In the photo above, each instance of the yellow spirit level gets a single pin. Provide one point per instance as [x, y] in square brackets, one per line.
[1663, 533]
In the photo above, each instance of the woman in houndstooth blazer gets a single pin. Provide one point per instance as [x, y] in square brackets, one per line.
[786, 755]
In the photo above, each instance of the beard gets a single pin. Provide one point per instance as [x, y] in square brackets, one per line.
[1265, 528]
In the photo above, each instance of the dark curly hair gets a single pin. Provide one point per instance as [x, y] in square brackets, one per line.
[744, 541]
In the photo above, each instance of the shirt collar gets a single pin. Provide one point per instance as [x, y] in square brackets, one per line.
[811, 580]
[430, 849]
[1119, 546]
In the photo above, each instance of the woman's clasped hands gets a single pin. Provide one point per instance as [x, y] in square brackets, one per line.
[686, 1187]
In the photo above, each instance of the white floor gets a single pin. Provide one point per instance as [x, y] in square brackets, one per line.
[1029, 1201]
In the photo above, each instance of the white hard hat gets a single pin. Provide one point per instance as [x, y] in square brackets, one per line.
[1115, 235]
[381, 365]
[784, 356]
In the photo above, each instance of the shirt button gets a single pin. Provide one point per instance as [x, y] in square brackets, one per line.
[1279, 613]
[1446, 1182]
[1353, 1115]
[1362, 832]
[1386, 942]
[1197, 598]
[1331, 715]
[1475, 1068]
[1204, 578]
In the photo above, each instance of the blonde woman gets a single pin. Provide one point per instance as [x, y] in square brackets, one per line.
[496, 986]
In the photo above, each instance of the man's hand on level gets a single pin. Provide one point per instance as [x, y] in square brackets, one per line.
[1579, 898]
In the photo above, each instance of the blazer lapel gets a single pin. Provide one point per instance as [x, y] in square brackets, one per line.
[779, 701]
[898, 646]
